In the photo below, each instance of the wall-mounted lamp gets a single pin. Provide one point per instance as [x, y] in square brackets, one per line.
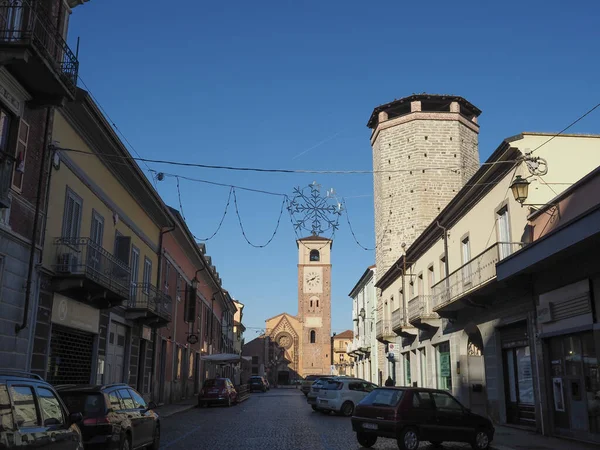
[520, 189]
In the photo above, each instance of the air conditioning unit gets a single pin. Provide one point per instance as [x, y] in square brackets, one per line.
[67, 263]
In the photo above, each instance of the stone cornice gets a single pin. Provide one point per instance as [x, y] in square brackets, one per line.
[423, 115]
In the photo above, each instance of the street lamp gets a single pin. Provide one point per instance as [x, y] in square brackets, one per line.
[520, 189]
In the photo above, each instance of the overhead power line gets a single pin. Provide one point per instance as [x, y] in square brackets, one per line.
[566, 128]
[267, 170]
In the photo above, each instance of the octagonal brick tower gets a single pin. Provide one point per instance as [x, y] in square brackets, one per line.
[432, 143]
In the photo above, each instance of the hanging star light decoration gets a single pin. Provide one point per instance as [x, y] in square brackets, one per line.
[314, 212]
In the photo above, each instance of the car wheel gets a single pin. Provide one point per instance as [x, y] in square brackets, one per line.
[228, 401]
[408, 439]
[366, 440]
[314, 407]
[347, 408]
[481, 440]
[155, 439]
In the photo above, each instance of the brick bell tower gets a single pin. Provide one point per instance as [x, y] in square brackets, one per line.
[428, 144]
[314, 304]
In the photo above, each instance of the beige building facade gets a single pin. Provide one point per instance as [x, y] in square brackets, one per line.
[447, 321]
[306, 336]
[341, 362]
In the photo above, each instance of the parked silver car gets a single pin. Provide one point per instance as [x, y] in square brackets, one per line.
[343, 394]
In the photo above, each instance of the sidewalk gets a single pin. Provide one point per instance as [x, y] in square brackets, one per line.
[509, 438]
[176, 408]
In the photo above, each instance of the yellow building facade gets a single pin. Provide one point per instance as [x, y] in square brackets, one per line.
[100, 256]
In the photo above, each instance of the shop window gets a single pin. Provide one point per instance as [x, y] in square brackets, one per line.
[444, 375]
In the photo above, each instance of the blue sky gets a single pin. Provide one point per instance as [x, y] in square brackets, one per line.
[289, 84]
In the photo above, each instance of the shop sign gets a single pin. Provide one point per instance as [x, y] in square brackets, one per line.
[74, 314]
[445, 364]
[544, 313]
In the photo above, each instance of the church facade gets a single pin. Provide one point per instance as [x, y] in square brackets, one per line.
[304, 339]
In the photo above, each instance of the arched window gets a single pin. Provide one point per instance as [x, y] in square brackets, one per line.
[317, 303]
[311, 303]
[314, 255]
[313, 336]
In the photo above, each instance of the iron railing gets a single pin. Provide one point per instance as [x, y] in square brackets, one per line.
[470, 276]
[26, 22]
[6, 172]
[420, 308]
[146, 297]
[83, 257]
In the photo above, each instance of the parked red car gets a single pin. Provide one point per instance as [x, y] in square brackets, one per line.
[217, 391]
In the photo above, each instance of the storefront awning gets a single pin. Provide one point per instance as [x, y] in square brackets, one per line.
[225, 358]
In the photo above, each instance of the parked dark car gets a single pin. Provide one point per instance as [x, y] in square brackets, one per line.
[32, 415]
[115, 416]
[217, 391]
[411, 415]
[257, 383]
[307, 383]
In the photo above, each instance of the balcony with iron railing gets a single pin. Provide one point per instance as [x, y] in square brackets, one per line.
[35, 52]
[86, 271]
[470, 277]
[419, 311]
[149, 305]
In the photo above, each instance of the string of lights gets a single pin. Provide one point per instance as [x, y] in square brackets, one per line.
[283, 203]
[221, 221]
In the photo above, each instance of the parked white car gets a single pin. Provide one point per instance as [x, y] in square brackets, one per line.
[343, 394]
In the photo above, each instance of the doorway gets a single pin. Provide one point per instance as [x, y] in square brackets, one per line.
[475, 370]
[162, 371]
[575, 385]
[115, 353]
[518, 380]
[283, 377]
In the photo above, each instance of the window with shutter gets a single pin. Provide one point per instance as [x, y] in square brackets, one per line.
[20, 156]
[147, 280]
[135, 269]
[96, 236]
[190, 306]
[72, 215]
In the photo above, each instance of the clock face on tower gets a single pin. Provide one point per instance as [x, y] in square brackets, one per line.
[313, 280]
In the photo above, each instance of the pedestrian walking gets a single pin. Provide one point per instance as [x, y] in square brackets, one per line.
[389, 381]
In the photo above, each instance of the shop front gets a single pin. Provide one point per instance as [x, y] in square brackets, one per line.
[571, 358]
[518, 374]
[73, 342]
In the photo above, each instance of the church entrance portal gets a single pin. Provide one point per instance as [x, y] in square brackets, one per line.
[283, 377]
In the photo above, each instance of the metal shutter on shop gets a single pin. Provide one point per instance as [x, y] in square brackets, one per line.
[514, 335]
[70, 356]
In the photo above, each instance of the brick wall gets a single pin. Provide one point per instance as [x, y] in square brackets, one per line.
[436, 158]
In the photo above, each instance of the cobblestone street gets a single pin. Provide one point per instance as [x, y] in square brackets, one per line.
[281, 419]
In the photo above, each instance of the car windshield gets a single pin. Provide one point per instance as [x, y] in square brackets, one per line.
[383, 397]
[213, 383]
[255, 379]
[89, 405]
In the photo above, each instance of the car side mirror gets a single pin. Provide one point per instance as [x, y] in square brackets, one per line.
[75, 418]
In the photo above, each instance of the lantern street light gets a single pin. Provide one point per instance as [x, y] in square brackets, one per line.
[520, 189]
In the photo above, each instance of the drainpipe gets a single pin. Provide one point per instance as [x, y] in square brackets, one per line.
[446, 263]
[38, 202]
[158, 274]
